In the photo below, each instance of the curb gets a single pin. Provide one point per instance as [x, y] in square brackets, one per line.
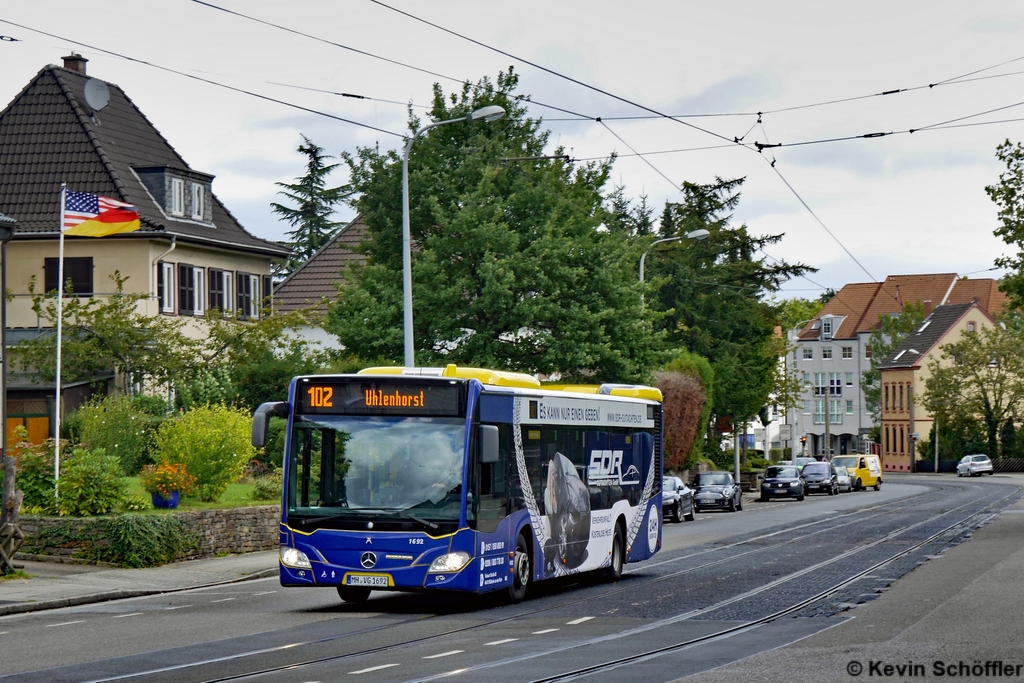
[42, 605]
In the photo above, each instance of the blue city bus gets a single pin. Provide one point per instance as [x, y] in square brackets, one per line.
[463, 479]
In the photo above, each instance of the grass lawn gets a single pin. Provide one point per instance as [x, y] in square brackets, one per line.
[237, 495]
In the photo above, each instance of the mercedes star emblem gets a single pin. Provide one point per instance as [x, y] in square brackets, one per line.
[368, 560]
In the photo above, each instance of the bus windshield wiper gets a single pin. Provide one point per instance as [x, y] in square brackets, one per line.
[407, 515]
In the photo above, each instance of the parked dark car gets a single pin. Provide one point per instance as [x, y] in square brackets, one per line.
[716, 491]
[820, 477]
[676, 500]
[782, 481]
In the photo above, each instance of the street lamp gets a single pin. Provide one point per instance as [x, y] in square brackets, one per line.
[487, 115]
[698, 234]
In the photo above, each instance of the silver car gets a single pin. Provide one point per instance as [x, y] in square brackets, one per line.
[971, 465]
[843, 481]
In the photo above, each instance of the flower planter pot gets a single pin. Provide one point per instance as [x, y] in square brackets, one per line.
[161, 502]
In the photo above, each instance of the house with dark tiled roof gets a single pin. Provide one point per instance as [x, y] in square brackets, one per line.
[190, 255]
[831, 352]
[315, 282]
[905, 373]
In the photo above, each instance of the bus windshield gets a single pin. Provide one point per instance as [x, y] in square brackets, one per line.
[353, 466]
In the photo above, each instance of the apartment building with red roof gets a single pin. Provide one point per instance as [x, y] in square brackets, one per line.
[831, 353]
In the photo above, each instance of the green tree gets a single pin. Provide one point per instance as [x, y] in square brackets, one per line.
[889, 334]
[314, 204]
[510, 269]
[713, 295]
[980, 377]
[795, 311]
[1008, 194]
[102, 335]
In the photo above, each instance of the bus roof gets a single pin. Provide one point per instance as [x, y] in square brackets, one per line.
[521, 380]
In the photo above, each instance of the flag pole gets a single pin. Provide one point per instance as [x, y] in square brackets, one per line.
[60, 326]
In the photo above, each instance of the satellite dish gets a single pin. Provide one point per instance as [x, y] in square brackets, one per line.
[97, 95]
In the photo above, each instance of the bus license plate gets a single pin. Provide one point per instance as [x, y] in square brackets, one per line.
[369, 580]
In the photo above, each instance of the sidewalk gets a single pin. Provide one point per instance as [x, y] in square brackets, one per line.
[68, 585]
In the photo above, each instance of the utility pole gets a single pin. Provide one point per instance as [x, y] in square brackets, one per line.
[828, 419]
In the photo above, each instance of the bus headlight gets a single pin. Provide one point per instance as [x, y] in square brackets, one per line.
[450, 562]
[290, 557]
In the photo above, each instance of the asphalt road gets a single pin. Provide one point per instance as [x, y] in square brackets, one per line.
[722, 571]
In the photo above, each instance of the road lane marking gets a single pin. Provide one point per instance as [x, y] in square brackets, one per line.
[178, 607]
[574, 622]
[264, 593]
[444, 654]
[547, 630]
[373, 668]
[502, 642]
[65, 623]
[122, 616]
[224, 600]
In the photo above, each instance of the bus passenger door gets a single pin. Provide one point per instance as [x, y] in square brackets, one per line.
[491, 511]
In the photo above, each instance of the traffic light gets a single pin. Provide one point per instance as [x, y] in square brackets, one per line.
[803, 439]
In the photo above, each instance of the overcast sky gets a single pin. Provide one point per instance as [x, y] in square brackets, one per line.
[905, 203]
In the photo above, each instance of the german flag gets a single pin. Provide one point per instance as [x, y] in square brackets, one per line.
[94, 216]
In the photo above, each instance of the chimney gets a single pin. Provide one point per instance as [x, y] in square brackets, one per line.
[75, 62]
[928, 307]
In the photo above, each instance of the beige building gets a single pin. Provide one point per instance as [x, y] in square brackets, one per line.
[190, 255]
[905, 374]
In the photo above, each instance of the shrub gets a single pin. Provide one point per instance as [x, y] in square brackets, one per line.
[268, 487]
[35, 474]
[165, 479]
[212, 442]
[90, 484]
[120, 425]
[146, 540]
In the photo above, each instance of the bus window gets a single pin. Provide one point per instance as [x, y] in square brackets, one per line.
[492, 489]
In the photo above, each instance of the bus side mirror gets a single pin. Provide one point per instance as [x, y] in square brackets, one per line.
[261, 418]
[488, 444]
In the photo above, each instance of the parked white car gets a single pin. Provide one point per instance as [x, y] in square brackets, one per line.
[971, 465]
[843, 481]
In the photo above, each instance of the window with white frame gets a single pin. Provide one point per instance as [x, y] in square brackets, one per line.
[826, 328]
[220, 290]
[177, 197]
[807, 379]
[198, 201]
[819, 411]
[849, 407]
[826, 353]
[808, 353]
[165, 287]
[849, 379]
[847, 352]
[807, 407]
[199, 284]
[835, 415]
[248, 286]
[835, 384]
[820, 383]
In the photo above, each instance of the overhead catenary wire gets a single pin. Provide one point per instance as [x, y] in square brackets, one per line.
[364, 53]
[642, 158]
[545, 69]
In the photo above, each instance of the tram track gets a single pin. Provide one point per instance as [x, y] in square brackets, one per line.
[829, 523]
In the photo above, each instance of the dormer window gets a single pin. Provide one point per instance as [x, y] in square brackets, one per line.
[826, 328]
[198, 201]
[177, 203]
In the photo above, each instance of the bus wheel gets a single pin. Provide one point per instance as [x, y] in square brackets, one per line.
[353, 593]
[614, 571]
[521, 571]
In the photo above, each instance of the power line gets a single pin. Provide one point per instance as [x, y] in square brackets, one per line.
[349, 95]
[203, 80]
[642, 158]
[342, 46]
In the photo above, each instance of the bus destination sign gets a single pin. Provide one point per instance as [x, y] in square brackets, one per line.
[360, 397]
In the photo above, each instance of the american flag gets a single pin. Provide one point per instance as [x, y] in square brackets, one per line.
[81, 206]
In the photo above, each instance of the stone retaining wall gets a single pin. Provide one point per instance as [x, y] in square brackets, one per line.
[217, 532]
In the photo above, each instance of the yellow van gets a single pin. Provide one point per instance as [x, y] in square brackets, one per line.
[865, 470]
